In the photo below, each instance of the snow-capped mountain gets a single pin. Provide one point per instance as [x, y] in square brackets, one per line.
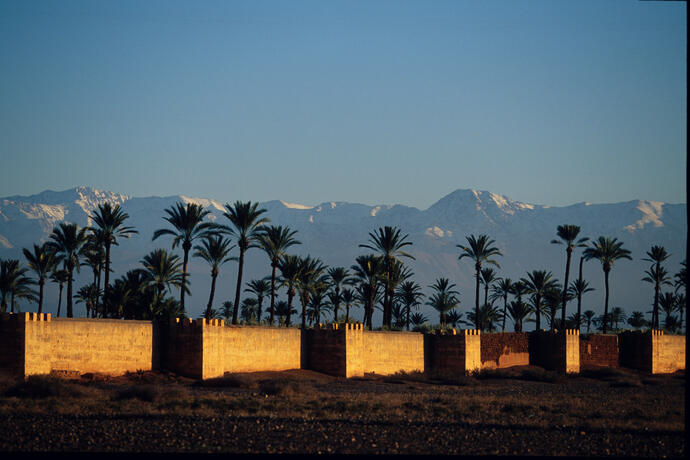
[333, 231]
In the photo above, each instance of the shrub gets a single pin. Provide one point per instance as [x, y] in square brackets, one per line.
[43, 386]
[541, 375]
[279, 387]
[230, 381]
[148, 393]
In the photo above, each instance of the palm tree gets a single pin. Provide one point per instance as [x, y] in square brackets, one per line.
[226, 310]
[656, 254]
[274, 241]
[480, 250]
[389, 244]
[488, 276]
[453, 318]
[214, 249]
[588, 316]
[42, 261]
[348, 297]
[418, 319]
[88, 294]
[248, 311]
[444, 298]
[680, 305]
[311, 277]
[410, 294]
[316, 302]
[568, 236]
[260, 288]
[501, 289]
[93, 255]
[537, 283]
[13, 283]
[67, 240]
[110, 224]
[247, 227]
[369, 271]
[577, 289]
[163, 271]
[552, 300]
[668, 304]
[337, 277]
[519, 312]
[59, 276]
[617, 316]
[636, 319]
[289, 267]
[188, 226]
[606, 250]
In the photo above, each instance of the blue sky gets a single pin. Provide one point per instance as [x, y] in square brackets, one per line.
[550, 102]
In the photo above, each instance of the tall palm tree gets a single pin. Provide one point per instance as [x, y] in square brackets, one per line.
[410, 294]
[444, 299]
[214, 249]
[480, 250]
[337, 277]
[488, 276]
[656, 255]
[348, 297]
[568, 236]
[588, 316]
[59, 276]
[93, 256]
[188, 225]
[110, 222]
[282, 311]
[290, 268]
[316, 303]
[13, 283]
[260, 288]
[388, 242]
[67, 240]
[519, 311]
[537, 283]
[668, 303]
[606, 250]
[42, 262]
[501, 289]
[274, 241]
[370, 272]
[311, 277]
[552, 300]
[163, 271]
[578, 288]
[247, 226]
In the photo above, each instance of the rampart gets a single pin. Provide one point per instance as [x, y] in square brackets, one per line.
[599, 350]
[202, 349]
[504, 350]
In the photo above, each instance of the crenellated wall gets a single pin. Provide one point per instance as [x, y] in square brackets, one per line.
[37, 344]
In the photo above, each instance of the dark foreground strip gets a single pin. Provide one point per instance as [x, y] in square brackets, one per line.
[171, 433]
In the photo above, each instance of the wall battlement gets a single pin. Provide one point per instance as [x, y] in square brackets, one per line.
[32, 343]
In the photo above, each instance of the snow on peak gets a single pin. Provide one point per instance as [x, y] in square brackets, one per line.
[203, 202]
[295, 205]
[436, 231]
[374, 211]
[651, 214]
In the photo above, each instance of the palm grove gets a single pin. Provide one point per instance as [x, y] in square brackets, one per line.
[378, 280]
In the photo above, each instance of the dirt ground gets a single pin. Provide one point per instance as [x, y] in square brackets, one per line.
[520, 411]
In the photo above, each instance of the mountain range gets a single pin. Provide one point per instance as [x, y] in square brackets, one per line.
[333, 232]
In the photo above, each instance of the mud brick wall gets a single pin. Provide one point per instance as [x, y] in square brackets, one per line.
[184, 348]
[459, 353]
[325, 351]
[668, 353]
[599, 350]
[11, 345]
[504, 350]
[555, 351]
[390, 352]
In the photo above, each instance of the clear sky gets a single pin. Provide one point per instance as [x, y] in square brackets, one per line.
[549, 102]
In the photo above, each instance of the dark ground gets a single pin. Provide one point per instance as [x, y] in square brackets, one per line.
[521, 412]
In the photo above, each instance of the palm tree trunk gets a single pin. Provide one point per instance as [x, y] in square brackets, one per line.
[305, 301]
[69, 294]
[291, 294]
[186, 246]
[210, 297]
[260, 300]
[59, 300]
[41, 282]
[569, 251]
[606, 301]
[408, 316]
[505, 307]
[237, 289]
[537, 308]
[478, 266]
[336, 307]
[579, 296]
[655, 311]
[107, 275]
[385, 294]
[347, 312]
[12, 302]
[98, 289]
[273, 293]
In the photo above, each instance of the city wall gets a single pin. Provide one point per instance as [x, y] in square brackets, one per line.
[38, 344]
